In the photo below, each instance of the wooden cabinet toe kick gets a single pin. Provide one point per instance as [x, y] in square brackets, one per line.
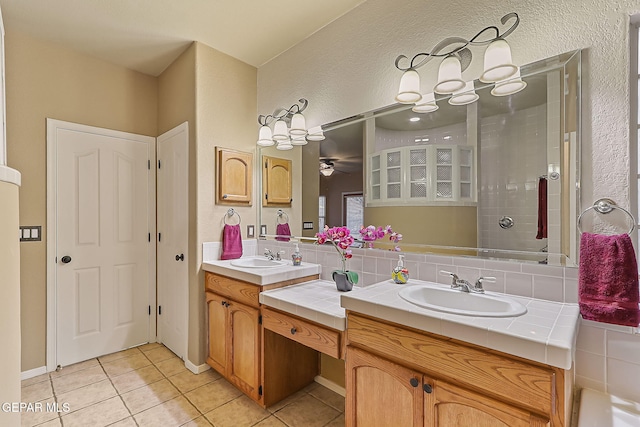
[318, 337]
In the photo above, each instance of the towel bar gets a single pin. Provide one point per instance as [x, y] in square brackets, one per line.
[604, 206]
[279, 216]
[231, 212]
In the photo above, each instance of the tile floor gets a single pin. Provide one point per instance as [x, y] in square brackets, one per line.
[150, 386]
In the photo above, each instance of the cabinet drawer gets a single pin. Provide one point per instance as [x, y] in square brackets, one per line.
[318, 337]
[243, 292]
[512, 379]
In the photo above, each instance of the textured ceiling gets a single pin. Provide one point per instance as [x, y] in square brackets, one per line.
[147, 35]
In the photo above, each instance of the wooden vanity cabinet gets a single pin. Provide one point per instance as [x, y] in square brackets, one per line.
[266, 367]
[400, 376]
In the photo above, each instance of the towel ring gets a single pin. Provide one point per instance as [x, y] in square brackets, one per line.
[229, 214]
[280, 214]
[604, 206]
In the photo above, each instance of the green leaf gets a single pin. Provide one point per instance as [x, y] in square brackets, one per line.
[352, 277]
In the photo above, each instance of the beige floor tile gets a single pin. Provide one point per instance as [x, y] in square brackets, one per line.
[127, 422]
[98, 415]
[175, 412]
[272, 421]
[212, 395]
[171, 367]
[237, 413]
[53, 423]
[136, 379]
[78, 379]
[338, 422]
[35, 380]
[187, 380]
[329, 397]
[286, 401]
[159, 354]
[148, 347]
[87, 395]
[308, 412]
[118, 355]
[198, 422]
[39, 417]
[37, 392]
[66, 370]
[146, 397]
[126, 364]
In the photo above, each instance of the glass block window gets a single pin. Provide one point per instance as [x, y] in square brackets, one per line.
[418, 189]
[465, 190]
[375, 193]
[418, 173]
[465, 157]
[418, 157]
[465, 173]
[444, 173]
[375, 162]
[393, 175]
[444, 156]
[375, 178]
[444, 190]
[393, 191]
[393, 159]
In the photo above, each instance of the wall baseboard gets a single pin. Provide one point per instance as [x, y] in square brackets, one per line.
[196, 369]
[33, 373]
[330, 385]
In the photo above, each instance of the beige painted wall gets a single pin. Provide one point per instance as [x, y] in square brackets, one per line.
[429, 225]
[226, 116]
[45, 80]
[10, 301]
[332, 188]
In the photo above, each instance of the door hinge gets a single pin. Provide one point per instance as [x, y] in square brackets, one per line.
[149, 236]
[149, 164]
[159, 237]
[159, 310]
[266, 196]
[260, 390]
[259, 320]
[159, 165]
[149, 310]
[265, 165]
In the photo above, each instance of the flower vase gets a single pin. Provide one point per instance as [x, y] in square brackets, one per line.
[342, 281]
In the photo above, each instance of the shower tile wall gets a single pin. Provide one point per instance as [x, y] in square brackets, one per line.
[512, 163]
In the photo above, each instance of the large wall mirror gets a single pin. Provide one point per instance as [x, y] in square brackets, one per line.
[498, 178]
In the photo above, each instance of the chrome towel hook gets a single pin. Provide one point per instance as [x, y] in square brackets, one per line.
[281, 216]
[605, 206]
[231, 212]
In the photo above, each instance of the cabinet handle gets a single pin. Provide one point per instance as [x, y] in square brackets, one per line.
[224, 303]
[293, 331]
[224, 196]
[414, 382]
[427, 388]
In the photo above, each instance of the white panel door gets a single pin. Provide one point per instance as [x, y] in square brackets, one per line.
[102, 257]
[173, 239]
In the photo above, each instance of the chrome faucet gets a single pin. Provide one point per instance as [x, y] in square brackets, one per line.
[464, 286]
[271, 256]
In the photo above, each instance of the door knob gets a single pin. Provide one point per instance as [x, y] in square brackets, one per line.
[66, 259]
[180, 257]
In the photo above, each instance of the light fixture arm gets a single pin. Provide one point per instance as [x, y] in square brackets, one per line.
[282, 113]
[459, 46]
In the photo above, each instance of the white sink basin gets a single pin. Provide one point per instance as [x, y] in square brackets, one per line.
[457, 302]
[256, 263]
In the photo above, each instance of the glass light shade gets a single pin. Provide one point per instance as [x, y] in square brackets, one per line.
[409, 91]
[298, 125]
[426, 105]
[315, 134]
[509, 86]
[449, 76]
[465, 96]
[497, 62]
[280, 132]
[265, 138]
[284, 144]
[298, 140]
[327, 171]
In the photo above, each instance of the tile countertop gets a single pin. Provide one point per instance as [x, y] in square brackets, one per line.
[317, 300]
[546, 333]
[261, 276]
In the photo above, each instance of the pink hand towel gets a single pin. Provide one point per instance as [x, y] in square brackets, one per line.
[283, 230]
[231, 242]
[608, 279]
[542, 208]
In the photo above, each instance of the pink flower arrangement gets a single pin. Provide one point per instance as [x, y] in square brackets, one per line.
[340, 238]
[372, 233]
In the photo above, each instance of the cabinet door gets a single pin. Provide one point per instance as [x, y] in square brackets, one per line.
[235, 177]
[217, 358]
[381, 393]
[454, 406]
[276, 181]
[244, 343]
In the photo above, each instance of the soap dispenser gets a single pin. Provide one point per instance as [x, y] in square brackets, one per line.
[296, 256]
[400, 275]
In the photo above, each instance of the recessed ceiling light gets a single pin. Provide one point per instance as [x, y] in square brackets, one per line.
[414, 119]
[447, 137]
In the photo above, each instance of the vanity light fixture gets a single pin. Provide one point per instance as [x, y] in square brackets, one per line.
[426, 105]
[509, 86]
[457, 57]
[289, 128]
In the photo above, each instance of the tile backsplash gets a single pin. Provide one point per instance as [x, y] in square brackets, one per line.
[606, 355]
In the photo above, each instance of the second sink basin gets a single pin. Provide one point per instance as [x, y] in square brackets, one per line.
[457, 302]
[256, 263]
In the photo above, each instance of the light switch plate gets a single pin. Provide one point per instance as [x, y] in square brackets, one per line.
[30, 233]
[263, 229]
[307, 225]
[251, 231]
